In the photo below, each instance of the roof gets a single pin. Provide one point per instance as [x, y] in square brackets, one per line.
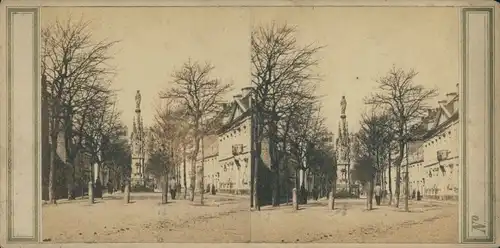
[237, 110]
[442, 116]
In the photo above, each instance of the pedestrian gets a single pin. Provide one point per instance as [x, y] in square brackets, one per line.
[315, 193]
[172, 188]
[110, 187]
[378, 193]
[419, 196]
[413, 194]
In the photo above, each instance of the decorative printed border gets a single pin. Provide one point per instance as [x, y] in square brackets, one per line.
[253, 3]
[477, 223]
[10, 128]
[465, 223]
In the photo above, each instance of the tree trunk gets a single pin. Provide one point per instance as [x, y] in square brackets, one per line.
[398, 185]
[398, 173]
[91, 192]
[256, 203]
[184, 172]
[275, 166]
[127, 192]
[71, 180]
[193, 166]
[303, 190]
[295, 203]
[370, 194]
[331, 199]
[164, 191]
[202, 172]
[256, 134]
[407, 183]
[287, 192]
[297, 184]
[390, 180]
[98, 173]
[52, 170]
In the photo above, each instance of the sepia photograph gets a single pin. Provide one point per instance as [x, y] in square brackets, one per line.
[277, 124]
[260, 125]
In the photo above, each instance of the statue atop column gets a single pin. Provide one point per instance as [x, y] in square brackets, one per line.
[343, 105]
[138, 99]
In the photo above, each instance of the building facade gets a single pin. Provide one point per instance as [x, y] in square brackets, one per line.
[227, 154]
[209, 153]
[441, 152]
[235, 145]
[433, 162]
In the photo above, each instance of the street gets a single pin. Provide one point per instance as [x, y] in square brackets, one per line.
[226, 218]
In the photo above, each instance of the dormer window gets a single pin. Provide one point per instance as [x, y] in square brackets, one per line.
[237, 149]
[442, 155]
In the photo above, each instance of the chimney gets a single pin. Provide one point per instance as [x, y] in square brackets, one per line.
[246, 91]
[237, 97]
[451, 96]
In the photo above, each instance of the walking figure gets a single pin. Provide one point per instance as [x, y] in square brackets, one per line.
[172, 187]
[378, 193]
[212, 190]
[109, 186]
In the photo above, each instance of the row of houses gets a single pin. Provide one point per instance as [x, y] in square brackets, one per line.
[433, 162]
[226, 155]
[227, 160]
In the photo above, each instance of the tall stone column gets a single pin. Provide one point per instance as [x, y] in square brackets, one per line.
[343, 147]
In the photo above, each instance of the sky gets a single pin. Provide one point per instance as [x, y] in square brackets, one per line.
[360, 45]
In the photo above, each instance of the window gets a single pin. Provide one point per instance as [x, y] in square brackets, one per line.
[237, 149]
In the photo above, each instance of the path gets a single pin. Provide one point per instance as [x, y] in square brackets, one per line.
[227, 219]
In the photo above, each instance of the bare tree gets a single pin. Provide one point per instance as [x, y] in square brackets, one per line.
[171, 130]
[103, 128]
[372, 147]
[389, 140]
[160, 161]
[306, 133]
[281, 69]
[285, 137]
[118, 158]
[74, 71]
[170, 120]
[202, 96]
[407, 102]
